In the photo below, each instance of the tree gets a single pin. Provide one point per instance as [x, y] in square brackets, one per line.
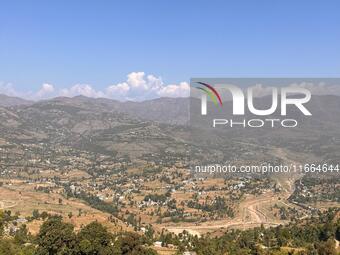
[21, 235]
[56, 237]
[44, 215]
[10, 247]
[337, 233]
[326, 248]
[35, 214]
[131, 244]
[2, 223]
[95, 239]
[149, 233]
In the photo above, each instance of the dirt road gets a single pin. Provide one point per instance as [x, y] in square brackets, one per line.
[6, 205]
[250, 215]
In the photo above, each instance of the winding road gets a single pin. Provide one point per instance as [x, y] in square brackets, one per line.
[250, 214]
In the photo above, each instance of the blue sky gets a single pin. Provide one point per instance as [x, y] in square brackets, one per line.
[98, 43]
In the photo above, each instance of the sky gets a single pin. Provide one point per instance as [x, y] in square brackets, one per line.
[136, 50]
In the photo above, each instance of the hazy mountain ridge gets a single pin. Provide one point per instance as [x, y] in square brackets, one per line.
[97, 125]
[159, 128]
[6, 101]
[167, 110]
[82, 113]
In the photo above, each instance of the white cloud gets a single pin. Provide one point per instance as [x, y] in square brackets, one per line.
[315, 88]
[81, 89]
[181, 90]
[45, 90]
[136, 80]
[121, 89]
[140, 86]
[8, 89]
[320, 88]
[259, 90]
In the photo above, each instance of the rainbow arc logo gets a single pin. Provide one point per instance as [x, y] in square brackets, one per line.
[211, 92]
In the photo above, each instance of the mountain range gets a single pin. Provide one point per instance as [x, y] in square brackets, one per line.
[161, 126]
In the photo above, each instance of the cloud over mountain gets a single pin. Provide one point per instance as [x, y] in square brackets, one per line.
[137, 87]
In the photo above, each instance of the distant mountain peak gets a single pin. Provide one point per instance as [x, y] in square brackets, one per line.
[7, 101]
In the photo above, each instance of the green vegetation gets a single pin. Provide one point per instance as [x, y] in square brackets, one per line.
[93, 201]
[59, 238]
[155, 198]
[218, 206]
[312, 189]
[315, 236]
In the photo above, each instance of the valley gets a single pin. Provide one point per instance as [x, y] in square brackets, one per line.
[93, 160]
